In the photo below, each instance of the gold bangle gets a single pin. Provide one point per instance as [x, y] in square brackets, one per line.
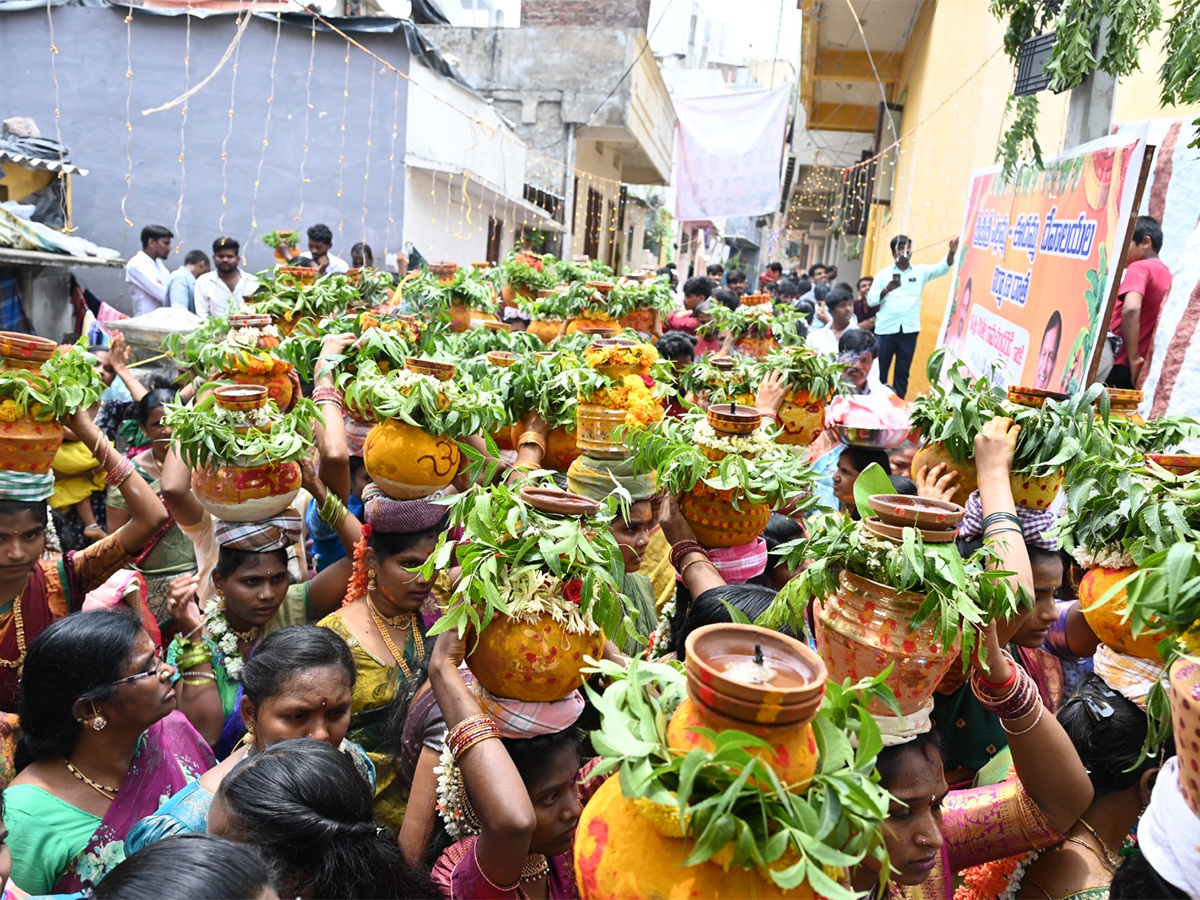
[532, 437]
[686, 566]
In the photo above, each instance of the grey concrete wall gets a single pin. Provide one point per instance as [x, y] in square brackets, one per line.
[93, 90]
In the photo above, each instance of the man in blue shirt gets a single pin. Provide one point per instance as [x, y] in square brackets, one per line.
[181, 286]
[896, 291]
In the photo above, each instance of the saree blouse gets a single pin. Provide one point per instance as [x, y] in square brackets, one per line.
[981, 825]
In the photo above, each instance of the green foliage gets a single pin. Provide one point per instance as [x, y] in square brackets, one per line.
[278, 296]
[777, 476]
[274, 238]
[1055, 436]
[505, 539]
[539, 383]
[206, 435]
[528, 271]
[187, 349]
[727, 798]
[803, 370]
[1164, 594]
[754, 321]
[961, 595]
[723, 386]
[627, 296]
[425, 293]
[456, 408]
[1077, 27]
[1141, 509]
[65, 383]
[1179, 75]
[567, 271]
[1020, 140]
[478, 341]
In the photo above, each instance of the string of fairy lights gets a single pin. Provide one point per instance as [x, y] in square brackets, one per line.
[482, 205]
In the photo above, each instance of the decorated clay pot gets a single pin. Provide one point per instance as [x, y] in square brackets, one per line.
[641, 320]
[247, 493]
[545, 330]
[1177, 463]
[594, 427]
[444, 271]
[598, 325]
[1032, 397]
[27, 445]
[802, 417]
[758, 347]
[531, 661]
[621, 852]
[930, 454]
[501, 358]
[1124, 403]
[25, 351]
[756, 300]
[509, 293]
[794, 748]
[460, 318]
[1035, 492]
[241, 398]
[733, 419]
[1184, 683]
[918, 512]
[1108, 621]
[301, 275]
[408, 463]
[866, 626]
[715, 520]
[279, 385]
[439, 370]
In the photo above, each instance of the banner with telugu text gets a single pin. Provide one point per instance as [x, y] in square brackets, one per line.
[1039, 255]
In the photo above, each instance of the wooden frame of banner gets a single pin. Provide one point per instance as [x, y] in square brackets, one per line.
[1143, 176]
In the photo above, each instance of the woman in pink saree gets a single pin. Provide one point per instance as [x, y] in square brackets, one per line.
[101, 746]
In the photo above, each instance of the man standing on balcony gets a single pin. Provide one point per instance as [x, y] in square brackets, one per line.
[146, 273]
[896, 293]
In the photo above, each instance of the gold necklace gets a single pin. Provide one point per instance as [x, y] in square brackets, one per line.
[106, 791]
[536, 866]
[1110, 859]
[381, 624]
[20, 626]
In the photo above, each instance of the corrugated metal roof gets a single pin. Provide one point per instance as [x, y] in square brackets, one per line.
[38, 162]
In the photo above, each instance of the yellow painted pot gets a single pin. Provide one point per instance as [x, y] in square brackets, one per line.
[1106, 621]
[802, 417]
[406, 462]
[546, 330]
[716, 522]
[931, 454]
[1035, 492]
[27, 445]
[619, 853]
[537, 661]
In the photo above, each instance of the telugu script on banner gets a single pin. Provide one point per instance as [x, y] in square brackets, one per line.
[1040, 254]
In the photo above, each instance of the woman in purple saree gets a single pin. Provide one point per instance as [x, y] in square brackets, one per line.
[101, 747]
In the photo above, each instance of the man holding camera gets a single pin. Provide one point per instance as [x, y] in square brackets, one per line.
[896, 293]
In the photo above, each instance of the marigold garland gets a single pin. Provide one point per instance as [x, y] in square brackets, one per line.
[359, 577]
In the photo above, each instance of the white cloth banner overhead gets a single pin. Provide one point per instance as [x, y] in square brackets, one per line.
[729, 151]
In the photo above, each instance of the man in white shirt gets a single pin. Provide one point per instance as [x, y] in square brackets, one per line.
[146, 273]
[839, 303]
[320, 242]
[228, 286]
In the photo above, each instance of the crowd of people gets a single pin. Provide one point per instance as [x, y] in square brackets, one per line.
[195, 707]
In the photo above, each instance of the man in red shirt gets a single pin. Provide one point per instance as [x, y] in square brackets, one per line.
[1144, 287]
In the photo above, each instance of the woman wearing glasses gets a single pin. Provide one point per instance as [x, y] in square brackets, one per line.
[101, 745]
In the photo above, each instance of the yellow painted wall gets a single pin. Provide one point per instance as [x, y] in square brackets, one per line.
[955, 80]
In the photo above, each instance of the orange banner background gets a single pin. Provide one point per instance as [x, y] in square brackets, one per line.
[1038, 258]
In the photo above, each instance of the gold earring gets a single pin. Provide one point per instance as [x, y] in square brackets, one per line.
[98, 720]
[371, 580]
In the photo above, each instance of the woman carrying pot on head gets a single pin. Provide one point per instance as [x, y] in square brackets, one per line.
[35, 591]
[101, 744]
[251, 597]
[1108, 732]
[933, 833]
[306, 809]
[380, 620]
[169, 553]
[298, 683]
[509, 792]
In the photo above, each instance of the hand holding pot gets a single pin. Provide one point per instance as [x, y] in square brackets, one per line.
[937, 483]
[771, 393]
[995, 446]
[997, 669]
[675, 527]
[449, 651]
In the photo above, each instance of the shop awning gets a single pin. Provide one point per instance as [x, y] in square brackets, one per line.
[13, 256]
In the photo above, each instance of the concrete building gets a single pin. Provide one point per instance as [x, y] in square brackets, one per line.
[939, 67]
[582, 91]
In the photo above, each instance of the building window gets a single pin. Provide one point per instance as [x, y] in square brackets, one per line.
[592, 223]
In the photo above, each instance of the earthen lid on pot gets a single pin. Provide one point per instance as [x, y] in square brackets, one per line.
[755, 664]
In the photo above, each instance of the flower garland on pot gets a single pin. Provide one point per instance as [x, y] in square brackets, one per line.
[728, 804]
